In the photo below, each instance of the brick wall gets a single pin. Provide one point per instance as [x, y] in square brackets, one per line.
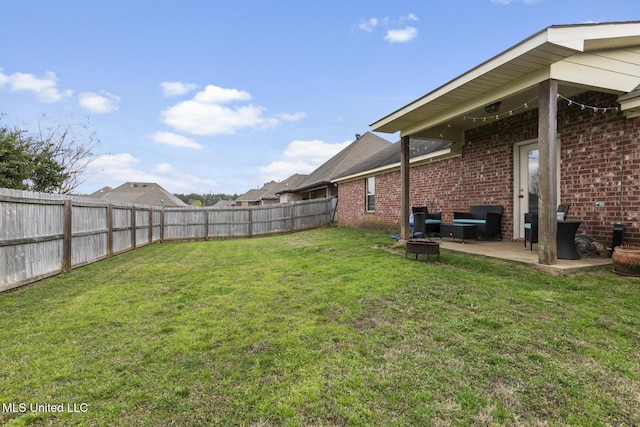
[600, 163]
[351, 203]
[592, 148]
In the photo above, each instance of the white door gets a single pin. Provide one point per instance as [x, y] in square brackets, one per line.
[527, 182]
[527, 177]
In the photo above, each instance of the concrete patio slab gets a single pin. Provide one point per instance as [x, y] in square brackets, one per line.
[515, 251]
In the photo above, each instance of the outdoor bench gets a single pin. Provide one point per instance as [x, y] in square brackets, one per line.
[488, 218]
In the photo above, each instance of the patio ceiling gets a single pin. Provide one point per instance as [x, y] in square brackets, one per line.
[603, 57]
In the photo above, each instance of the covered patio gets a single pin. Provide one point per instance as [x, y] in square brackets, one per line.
[555, 65]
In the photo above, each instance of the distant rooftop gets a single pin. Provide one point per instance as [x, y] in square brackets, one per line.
[143, 193]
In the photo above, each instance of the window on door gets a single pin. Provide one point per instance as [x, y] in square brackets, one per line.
[371, 194]
[527, 182]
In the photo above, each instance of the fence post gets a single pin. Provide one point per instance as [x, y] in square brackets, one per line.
[292, 222]
[66, 243]
[206, 224]
[250, 222]
[110, 230]
[133, 227]
[162, 224]
[150, 225]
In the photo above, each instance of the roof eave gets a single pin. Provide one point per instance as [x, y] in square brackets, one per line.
[445, 153]
[546, 48]
[386, 123]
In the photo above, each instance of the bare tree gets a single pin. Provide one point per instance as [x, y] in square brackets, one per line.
[71, 144]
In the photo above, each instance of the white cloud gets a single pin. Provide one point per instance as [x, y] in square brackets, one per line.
[101, 103]
[163, 168]
[175, 140]
[199, 118]
[314, 151]
[396, 30]
[218, 95]
[205, 114]
[177, 88]
[116, 169]
[401, 36]
[109, 163]
[286, 117]
[368, 25]
[408, 17]
[45, 89]
[301, 157]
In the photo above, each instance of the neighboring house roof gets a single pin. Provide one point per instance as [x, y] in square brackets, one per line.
[420, 150]
[580, 57]
[363, 147]
[98, 194]
[284, 186]
[143, 193]
[251, 196]
[256, 195]
[268, 190]
[221, 204]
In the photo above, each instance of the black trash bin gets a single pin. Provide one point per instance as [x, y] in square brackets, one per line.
[618, 236]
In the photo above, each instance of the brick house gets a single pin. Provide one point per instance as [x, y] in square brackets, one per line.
[553, 120]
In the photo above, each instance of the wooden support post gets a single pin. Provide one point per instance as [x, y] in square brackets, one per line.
[548, 194]
[68, 234]
[404, 188]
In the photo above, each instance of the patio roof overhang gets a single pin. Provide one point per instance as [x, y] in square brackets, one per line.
[603, 57]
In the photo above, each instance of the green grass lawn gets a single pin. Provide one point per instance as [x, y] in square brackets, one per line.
[324, 327]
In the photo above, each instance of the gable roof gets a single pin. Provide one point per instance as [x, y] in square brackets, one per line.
[285, 185]
[584, 57]
[223, 204]
[253, 195]
[271, 189]
[256, 194]
[363, 147]
[143, 193]
[420, 150]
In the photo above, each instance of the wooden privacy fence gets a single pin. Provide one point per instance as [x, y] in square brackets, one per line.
[45, 234]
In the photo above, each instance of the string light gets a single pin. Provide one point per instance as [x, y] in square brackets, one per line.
[525, 106]
[583, 107]
[498, 116]
[444, 130]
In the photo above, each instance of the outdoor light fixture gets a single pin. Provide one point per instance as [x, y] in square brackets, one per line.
[492, 108]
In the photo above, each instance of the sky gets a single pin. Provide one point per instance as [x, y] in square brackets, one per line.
[224, 96]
